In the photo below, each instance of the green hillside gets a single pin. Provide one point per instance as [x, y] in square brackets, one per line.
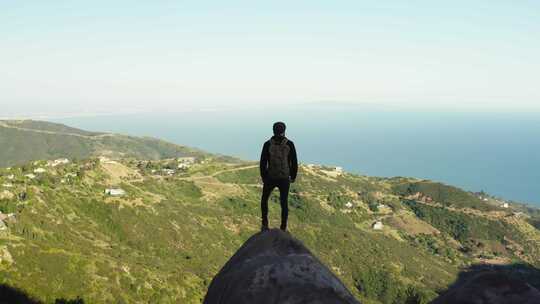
[46, 126]
[176, 221]
[164, 240]
[447, 195]
[27, 140]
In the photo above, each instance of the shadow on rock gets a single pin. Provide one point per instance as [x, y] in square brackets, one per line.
[11, 295]
[494, 284]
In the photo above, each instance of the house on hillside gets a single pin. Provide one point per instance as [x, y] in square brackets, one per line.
[106, 160]
[6, 195]
[482, 196]
[378, 225]
[30, 176]
[3, 216]
[349, 205]
[183, 166]
[168, 171]
[10, 217]
[115, 192]
[60, 161]
[505, 205]
[10, 177]
[339, 170]
[68, 177]
[186, 160]
[39, 170]
[7, 185]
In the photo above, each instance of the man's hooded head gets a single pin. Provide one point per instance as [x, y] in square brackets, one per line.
[279, 128]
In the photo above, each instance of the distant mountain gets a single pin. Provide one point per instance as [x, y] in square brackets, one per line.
[159, 229]
[27, 140]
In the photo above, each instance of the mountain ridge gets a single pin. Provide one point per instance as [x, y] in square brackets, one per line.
[27, 140]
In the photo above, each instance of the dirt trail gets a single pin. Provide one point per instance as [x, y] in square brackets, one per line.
[219, 172]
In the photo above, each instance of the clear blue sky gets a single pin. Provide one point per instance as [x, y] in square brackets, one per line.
[122, 55]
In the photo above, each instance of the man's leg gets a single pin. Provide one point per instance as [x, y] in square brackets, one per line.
[267, 190]
[283, 199]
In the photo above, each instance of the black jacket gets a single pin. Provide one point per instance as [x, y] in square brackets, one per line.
[265, 155]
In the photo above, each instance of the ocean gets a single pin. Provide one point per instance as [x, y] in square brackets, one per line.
[495, 152]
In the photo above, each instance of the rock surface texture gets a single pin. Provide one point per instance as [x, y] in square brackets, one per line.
[273, 267]
[490, 287]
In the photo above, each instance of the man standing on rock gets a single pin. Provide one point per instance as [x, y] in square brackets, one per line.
[279, 167]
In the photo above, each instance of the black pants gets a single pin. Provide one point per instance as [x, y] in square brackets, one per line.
[283, 186]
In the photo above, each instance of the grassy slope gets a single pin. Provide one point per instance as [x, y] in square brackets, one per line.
[23, 141]
[444, 194]
[166, 239]
[47, 126]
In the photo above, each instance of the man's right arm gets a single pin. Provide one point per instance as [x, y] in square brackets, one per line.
[263, 164]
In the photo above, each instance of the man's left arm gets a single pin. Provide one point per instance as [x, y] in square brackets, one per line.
[263, 163]
[293, 162]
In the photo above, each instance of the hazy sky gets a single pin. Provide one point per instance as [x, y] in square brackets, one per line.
[61, 56]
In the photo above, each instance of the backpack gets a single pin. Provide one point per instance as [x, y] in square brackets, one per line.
[278, 163]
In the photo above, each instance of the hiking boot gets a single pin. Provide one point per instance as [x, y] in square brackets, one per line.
[283, 227]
